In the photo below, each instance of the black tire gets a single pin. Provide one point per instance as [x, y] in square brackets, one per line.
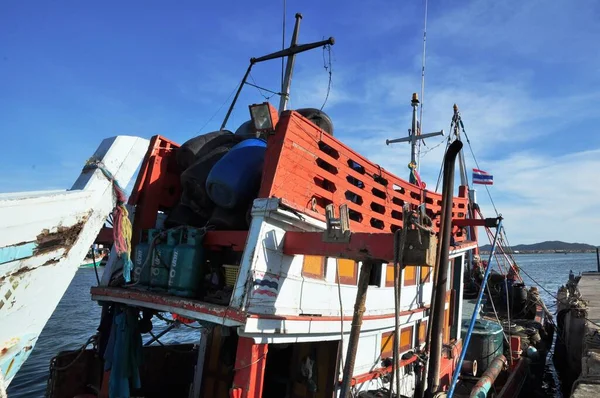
[198, 146]
[319, 118]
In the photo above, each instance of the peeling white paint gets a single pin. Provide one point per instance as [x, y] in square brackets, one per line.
[30, 288]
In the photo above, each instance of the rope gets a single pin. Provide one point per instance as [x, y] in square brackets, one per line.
[329, 70]
[250, 364]
[122, 229]
[95, 267]
[89, 341]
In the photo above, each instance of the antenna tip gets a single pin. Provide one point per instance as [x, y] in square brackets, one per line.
[415, 97]
[455, 107]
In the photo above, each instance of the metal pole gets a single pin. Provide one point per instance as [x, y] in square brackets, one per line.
[437, 318]
[598, 258]
[475, 311]
[289, 68]
[413, 135]
[359, 310]
[237, 94]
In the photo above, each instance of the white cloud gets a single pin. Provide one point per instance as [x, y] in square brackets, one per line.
[549, 197]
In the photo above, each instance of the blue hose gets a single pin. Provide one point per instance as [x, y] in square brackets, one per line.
[474, 316]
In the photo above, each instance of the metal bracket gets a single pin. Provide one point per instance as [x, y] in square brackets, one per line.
[338, 229]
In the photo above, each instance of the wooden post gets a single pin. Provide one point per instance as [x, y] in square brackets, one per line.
[359, 310]
[199, 371]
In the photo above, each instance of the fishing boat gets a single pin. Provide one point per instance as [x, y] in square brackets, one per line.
[95, 258]
[44, 237]
[306, 270]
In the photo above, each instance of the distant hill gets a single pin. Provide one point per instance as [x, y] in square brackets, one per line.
[548, 245]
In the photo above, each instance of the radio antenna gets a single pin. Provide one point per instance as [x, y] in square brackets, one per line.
[422, 79]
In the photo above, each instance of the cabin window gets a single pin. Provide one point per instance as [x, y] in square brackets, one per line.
[446, 334]
[426, 274]
[406, 338]
[405, 343]
[313, 267]
[347, 272]
[375, 277]
[422, 331]
[387, 345]
[389, 275]
[410, 275]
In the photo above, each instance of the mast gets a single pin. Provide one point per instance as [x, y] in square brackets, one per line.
[289, 52]
[414, 135]
[289, 68]
[457, 122]
[464, 178]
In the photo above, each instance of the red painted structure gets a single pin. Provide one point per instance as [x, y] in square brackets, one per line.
[309, 169]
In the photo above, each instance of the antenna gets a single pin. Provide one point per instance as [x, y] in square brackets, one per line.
[289, 68]
[414, 136]
[423, 72]
[283, 41]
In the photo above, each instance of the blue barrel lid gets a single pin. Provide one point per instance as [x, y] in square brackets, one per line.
[483, 327]
[250, 142]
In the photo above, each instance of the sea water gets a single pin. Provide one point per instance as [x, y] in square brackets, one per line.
[77, 316]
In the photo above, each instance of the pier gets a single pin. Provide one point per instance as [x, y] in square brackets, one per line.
[577, 352]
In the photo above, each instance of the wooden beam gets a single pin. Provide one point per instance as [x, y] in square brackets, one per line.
[362, 246]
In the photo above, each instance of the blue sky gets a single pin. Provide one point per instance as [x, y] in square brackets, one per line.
[526, 76]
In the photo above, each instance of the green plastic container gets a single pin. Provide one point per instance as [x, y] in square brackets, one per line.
[141, 274]
[486, 343]
[161, 261]
[186, 266]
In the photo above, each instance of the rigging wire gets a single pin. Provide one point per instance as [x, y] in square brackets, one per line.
[328, 69]
[219, 110]
[439, 180]
[261, 89]
[433, 147]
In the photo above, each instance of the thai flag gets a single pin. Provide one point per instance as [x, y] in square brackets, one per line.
[481, 177]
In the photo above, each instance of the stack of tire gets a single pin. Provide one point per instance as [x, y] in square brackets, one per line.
[222, 173]
[197, 157]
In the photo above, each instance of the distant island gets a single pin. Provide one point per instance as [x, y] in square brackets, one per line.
[551, 246]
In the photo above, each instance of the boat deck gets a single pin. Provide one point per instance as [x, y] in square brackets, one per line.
[189, 308]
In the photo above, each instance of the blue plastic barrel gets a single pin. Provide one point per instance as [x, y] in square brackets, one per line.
[235, 179]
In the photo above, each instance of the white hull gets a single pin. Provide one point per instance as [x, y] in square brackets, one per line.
[44, 236]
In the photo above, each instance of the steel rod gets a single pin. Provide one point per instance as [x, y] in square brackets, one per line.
[437, 317]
